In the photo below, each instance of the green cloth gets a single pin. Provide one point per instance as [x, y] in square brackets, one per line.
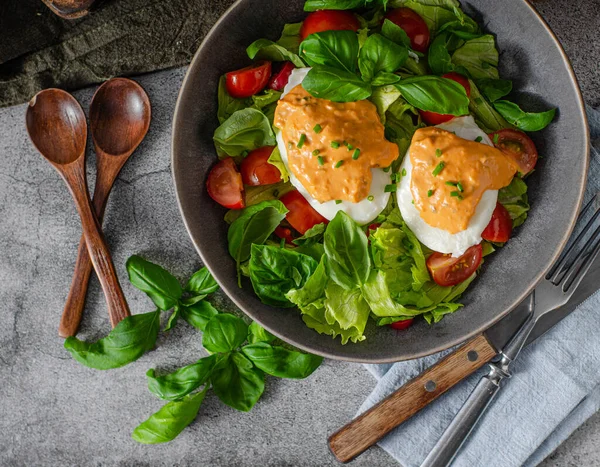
[39, 50]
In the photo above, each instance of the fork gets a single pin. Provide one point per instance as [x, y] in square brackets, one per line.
[554, 291]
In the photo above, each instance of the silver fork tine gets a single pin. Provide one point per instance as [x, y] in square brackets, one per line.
[575, 275]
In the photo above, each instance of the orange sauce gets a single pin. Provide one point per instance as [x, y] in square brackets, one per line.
[314, 131]
[450, 174]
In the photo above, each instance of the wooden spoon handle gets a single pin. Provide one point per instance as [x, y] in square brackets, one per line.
[365, 430]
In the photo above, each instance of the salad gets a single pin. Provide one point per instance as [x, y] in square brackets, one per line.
[370, 160]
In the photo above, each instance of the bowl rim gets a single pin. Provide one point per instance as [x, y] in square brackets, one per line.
[432, 350]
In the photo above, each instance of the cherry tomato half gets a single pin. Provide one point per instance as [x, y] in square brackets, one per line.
[224, 184]
[281, 76]
[285, 233]
[414, 26]
[248, 81]
[328, 20]
[301, 215]
[432, 118]
[500, 226]
[256, 170]
[400, 325]
[518, 146]
[447, 271]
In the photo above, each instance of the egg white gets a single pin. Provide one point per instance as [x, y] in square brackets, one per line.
[362, 212]
[439, 239]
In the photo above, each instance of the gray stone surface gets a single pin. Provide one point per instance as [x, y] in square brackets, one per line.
[56, 412]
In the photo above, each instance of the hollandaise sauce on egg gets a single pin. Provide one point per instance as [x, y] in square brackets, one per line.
[334, 151]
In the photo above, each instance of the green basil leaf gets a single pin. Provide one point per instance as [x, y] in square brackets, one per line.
[281, 362]
[198, 314]
[435, 94]
[256, 333]
[128, 341]
[494, 89]
[290, 37]
[245, 130]
[395, 33]
[336, 49]
[166, 424]
[162, 288]
[228, 105]
[274, 271]
[179, 383]
[264, 49]
[486, 117]
[438, 56]
[311, 236]
[187, 301]
[335, 85]
[314, 5]
[526, 121]
[380, 55]
[348, 258]
[479, 57]
[224, 333]
[202, 283]
[237, 382]
[172, 319]
[384, 78]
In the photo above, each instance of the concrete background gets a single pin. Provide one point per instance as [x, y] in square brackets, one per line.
[56, 412]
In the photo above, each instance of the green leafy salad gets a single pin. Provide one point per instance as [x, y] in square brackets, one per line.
[419, 63]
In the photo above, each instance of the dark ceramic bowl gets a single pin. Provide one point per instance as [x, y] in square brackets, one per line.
[530, 55]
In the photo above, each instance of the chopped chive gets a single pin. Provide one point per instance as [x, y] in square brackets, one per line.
[429, 193]
[344, 143]
[356, 154]
[317, 128]
[302, 140]
[496, 138]
[282, 243]
[386, 169]
[316, 152]
[320, 160]
[460, 187]
[438, 169]
[244, 153]
[276, 193]
[338, 201]
[370, 197]
[350, 147]
[438, 153]
[456, 194]
[394, 177]
[478, 139]
[338, 164]
[390, 188]
[451, 183]
[413, 201]
[404, 172]
[335, 144]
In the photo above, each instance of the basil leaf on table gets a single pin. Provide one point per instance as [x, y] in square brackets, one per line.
[346, 249]
[479, 57]
[224, 333]
[128, 341]
[336, 49]
[264, 49]
[494, 89]
[166, 424]
[237, 382]
[335, 85]
[172, 319]
[159, 284]
[311, 236]
[202, 283]
[274, 271]
[244, 131]
[314, 5]
[380, 55]
[227, 105]
[256, 333]
[435, 94]
[526, 121]
[181, 382]
[280, 362]
[395, 33]
[198, 314]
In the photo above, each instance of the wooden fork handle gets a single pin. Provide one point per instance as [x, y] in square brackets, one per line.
[368, 428]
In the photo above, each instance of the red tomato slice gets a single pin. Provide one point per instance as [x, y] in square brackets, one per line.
[285, 233]
[415, 28]
[400, 325]
[432, 118]
[447, 271]
[500, 226]
[248, 81]
[518, 146]
[281, 77]
[256, 170]
[301, 215]
[224, 184]
[328, 20]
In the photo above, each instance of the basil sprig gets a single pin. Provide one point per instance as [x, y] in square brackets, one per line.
[526, 121]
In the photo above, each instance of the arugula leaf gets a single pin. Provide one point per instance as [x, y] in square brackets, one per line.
[314, 5]
[395, 33]
[245, 130]
[335, 85]
[166, 424]
[227, 105]
[479, 57]
[380, 55]
[162, 288]
[256, 333]
[486, 117]
[202, 283]
[280, 362]
[264, 49]
[179, 383]
[435, 94]
[494, 89]
[198, 314]
[514, 198]
[335, 49]
[311, 236]
[127, 342]
[346, 249]
[526, 121]
[290, 37]
[274, 271]
[237, 382]
[276, 160]
[224, 333]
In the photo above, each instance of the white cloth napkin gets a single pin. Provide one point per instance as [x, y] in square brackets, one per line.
[555, 387]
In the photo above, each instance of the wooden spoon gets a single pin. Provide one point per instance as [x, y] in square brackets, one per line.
[57, 127]
[119, 121]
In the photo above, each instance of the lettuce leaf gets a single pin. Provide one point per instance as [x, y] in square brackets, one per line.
[434, 12]
[514, 198]
[276, 160]
[486, 117]
[479, 57]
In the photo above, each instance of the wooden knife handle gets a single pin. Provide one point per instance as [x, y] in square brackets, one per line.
[368, 428]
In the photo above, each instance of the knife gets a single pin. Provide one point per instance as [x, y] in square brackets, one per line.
[372, 425]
